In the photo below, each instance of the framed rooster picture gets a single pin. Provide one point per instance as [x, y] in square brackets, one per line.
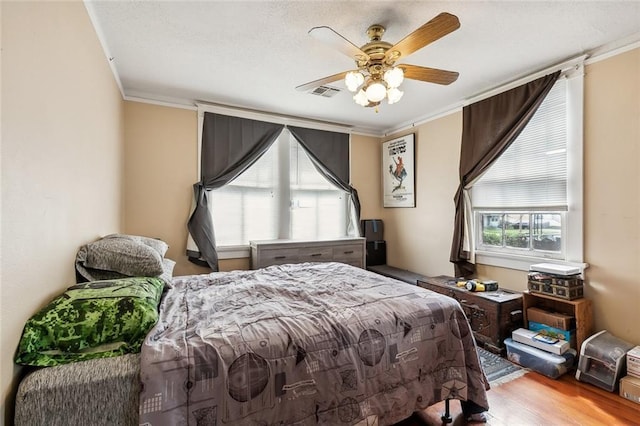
[398, 172]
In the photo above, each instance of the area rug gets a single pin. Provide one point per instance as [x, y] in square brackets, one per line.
[499, 370]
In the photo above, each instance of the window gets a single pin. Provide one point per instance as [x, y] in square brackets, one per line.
[528, 204]
[282, 195]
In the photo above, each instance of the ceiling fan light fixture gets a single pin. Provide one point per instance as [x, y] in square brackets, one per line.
[394, 95]
[375, 76]
[353, 80]
[376, 91]
[361, 98]
[394, 77]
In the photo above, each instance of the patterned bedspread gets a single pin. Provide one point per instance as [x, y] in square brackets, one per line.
[306, 344]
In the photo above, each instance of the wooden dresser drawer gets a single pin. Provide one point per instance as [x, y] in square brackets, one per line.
[278, 257]
[348, 253]
[316, 254]
[278, 252]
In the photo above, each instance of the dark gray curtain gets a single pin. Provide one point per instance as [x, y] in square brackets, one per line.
[488, 129]
[329, 153]
[230, 145]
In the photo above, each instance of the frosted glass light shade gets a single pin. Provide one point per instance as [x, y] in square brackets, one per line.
[376, 92]
[353, 80]
[394, 77]
[394, 95]
[361, 98]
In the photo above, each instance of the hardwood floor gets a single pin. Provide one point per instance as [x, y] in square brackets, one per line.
[538, 400]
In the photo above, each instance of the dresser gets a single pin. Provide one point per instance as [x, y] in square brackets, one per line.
[278, 252]
[493, 315]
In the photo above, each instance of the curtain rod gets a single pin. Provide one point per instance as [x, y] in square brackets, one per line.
[272, 118]
[566, 68]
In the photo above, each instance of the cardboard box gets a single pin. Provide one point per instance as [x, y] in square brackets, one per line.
[552, 319]
[568, 335]
[633, 362]
[630, 388]
[529, 337]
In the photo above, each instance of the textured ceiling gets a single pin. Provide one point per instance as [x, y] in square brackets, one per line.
[253, 54]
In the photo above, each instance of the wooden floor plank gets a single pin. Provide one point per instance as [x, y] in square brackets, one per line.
[534, 400]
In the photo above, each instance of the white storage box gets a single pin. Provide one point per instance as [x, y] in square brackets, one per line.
[602, 360]
[550, 268]
[531, 338]
[633, 362]
[545, 363]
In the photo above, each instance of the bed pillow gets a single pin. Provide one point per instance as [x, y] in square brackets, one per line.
[158, 245]
[89, 274]
[97, 319]
[129, 255]
[167, 274]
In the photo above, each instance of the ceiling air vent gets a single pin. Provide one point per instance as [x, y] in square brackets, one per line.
[325, 91]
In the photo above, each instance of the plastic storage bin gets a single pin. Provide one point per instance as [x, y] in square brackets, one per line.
[542, 362]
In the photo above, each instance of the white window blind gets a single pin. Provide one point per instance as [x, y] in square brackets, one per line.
[248, 206]
[318, 209]
[280, 196]
[532, 172]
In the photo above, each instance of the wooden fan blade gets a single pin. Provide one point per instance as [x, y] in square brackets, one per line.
[335, 40]
[436, 28]
[430, 75]
[320, 82]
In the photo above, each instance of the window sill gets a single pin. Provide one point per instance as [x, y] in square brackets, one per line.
[520, 263]
[234, 252]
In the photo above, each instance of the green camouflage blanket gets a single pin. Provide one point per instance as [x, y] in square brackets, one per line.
[97, 319]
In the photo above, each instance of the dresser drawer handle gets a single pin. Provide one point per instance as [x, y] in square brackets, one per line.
[348, 252]
[316, 254]
[280, 257]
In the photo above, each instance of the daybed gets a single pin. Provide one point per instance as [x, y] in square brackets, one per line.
[314, 343]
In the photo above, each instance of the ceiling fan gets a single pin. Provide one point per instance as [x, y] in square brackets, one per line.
[376, 75]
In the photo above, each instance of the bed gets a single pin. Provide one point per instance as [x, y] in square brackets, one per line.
[313, 343]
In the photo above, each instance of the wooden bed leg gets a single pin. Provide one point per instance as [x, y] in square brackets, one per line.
[446, 416]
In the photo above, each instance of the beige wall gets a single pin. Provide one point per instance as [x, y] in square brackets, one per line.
[612, 192]
[62, 155]
[161, 155]
[365, 175]
[420, 239]
[161, 158]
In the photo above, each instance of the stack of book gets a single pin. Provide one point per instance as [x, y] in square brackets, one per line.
[553, 324]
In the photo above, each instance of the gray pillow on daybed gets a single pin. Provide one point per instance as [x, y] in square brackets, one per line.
[118, 255]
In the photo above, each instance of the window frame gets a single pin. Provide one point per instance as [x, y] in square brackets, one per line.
[573, 238]
[543, 254]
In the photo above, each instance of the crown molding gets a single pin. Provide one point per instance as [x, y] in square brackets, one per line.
[603, 52]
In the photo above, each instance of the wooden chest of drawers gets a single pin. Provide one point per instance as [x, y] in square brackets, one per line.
[278, 252]
[493, 315]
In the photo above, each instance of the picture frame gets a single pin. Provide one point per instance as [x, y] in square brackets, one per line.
[398, 172]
